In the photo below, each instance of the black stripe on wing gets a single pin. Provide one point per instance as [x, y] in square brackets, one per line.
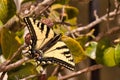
[47, 32]
[31, 31]
[50, 60]
[51, 43]
[41, 26]
[67, 54]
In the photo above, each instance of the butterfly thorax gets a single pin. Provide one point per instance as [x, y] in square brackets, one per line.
[37, 54]
[32, 49]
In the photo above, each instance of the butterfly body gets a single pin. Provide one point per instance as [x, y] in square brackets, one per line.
[46, 46]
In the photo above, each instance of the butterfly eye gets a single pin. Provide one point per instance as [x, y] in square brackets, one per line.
[27, 39]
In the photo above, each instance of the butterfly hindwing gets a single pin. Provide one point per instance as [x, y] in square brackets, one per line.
[60, 54]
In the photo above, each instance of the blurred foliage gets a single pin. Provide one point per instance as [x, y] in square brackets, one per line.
[104, 53]
[1, 23]
[59, 12]
[20, 36]
[91, 49]
[22, 71]
[103, 44]
[67, 12]
[108, 57]
[9, 43]
[52, 78]
[117, 54]
[82, 40]
[7, 10]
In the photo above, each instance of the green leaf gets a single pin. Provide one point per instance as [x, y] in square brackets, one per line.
[7, 10]
[117, 54]
[82, 40]
[103, 44]
[75, 48]
[69, 10]
[22, 72]
[72, 12]
[1, 23]
[52, 78]
[20, 36]
[109, 57]
[9, 43]
[72, 21]
[64, 28]
[105, 54]
[91, 50]
[56, 6]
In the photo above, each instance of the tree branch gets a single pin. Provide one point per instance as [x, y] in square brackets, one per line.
[40, 8]
[92, 24]
[55, 70]
[88, 69]
[29, 77]
[4, 68]
[109, 32]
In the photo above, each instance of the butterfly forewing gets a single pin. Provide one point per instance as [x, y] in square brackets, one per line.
[46, 35]
[40, 33]
[31, 31]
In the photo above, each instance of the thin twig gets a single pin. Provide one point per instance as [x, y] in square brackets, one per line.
[4, 64]
[95, 14]
[117, 9]
[55, 70]
[17, 52]
[13, 24]
[14, 65]
[5, 67]
[109, 32]
[41, 7]
[108, 11]
[116, 3]
[28, 77]
[92, 24]
[88, 69]
[2, 76]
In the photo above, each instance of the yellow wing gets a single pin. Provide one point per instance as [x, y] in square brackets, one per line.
[60, 54]
[40, 33]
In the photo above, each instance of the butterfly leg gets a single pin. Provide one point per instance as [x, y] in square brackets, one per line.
[26, 51]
